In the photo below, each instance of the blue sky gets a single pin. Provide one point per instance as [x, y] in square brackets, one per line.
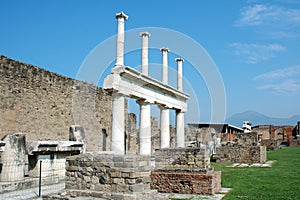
[254, 45]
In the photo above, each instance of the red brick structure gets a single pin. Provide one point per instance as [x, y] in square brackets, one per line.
[187, 182]
[276, 133]
[185, 171]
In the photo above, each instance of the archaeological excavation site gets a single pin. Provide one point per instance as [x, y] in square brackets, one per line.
[55, 129]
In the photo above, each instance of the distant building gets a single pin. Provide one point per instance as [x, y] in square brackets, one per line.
[247, 126]
[211, 134]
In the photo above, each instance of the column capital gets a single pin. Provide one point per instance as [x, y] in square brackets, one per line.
[180, 111]
[142, 102]
[179, 59]
[145, 34]
[164, 49]
[121, 15]
[162, 107]
[116, 93]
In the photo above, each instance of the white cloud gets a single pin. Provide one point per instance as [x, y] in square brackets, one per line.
[280, 73]
[268, 14]
[281, 82]
[252, 15]
[287, 87]
[254, 53]
[271, 20]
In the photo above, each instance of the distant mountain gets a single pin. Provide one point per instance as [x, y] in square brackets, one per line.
[259, 119]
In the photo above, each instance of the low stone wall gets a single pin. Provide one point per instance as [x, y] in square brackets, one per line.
[271, 144]
[239, 154]
[109, 176]
[182, 159]
[187, 182]
[186, 171]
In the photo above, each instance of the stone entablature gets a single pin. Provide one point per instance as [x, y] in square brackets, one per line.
[132, 83]
[45, 147]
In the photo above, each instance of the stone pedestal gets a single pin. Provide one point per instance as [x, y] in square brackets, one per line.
[183, 182]
[186, 171]
[51, 155]
[109, 176]
[13, 158]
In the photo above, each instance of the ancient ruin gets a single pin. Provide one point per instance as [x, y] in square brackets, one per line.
[119, 175]
[105, 153]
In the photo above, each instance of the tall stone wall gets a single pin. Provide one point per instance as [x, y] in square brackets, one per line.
[43, 105]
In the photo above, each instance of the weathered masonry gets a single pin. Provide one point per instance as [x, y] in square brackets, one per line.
[117, 174]
[43, 105]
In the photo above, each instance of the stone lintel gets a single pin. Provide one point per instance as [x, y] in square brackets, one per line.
[134, 84]
[36, 147]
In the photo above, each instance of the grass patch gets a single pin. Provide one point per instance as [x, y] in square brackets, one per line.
[281, 181]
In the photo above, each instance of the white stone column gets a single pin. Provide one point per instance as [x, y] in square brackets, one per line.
[118, 123]
[164, 75]
[179, 73]
[145, 113]
[121, 17]
[145, 128]
[164, 127]
[145, 36]
[164, 112]
[179, 129]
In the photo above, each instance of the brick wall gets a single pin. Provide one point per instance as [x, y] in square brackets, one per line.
[184, 170]
[186, 182]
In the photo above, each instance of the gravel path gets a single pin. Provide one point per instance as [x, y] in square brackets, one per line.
[32, 193]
